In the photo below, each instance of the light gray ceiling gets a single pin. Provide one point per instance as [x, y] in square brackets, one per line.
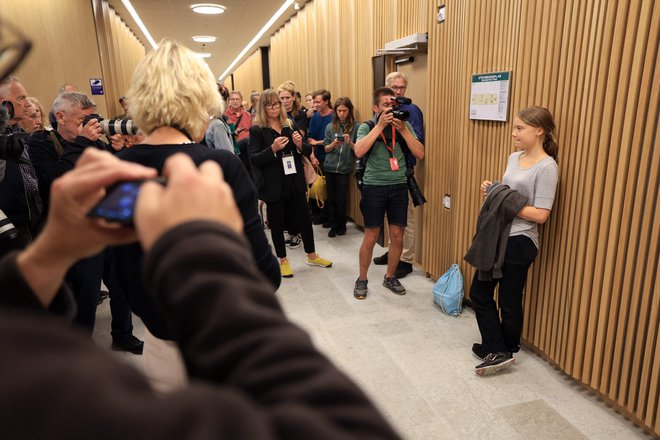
[240, 22]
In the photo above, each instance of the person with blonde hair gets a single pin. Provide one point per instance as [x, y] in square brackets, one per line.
[276, 151]
[173, 95]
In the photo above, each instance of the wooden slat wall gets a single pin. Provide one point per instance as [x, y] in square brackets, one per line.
[248, 76]
[590, 304]
[127, 52]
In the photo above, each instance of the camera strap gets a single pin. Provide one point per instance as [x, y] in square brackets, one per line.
[390, 149]
[57, 144]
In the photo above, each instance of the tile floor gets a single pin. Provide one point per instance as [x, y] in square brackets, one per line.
[416, 362]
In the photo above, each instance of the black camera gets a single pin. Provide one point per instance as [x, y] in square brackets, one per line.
[339, 137]
[11, 146]
[401, 115]
[415, 191]
[359, 172]
[113, 126]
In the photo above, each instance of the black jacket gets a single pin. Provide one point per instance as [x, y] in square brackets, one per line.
[267, 168]
[488, 247]
[254, 375]
[128, 258]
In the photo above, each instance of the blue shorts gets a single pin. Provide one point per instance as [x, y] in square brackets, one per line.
[380, 199]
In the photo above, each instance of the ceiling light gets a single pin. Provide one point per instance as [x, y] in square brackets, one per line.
[256, 38]
[208, 8]
[202, 54]
[131, 10]
[204, 39]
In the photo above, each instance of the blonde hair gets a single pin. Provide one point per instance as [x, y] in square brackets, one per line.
[37, 104]
[267, 97]
[395, 75]
[172, 87]
[290, 86]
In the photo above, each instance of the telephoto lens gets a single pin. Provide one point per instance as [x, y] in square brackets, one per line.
[7, 229]
[359, 173]
[11, 146]
[119, 126]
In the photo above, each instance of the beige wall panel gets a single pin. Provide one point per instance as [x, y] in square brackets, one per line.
[64, 46]
[248, 76]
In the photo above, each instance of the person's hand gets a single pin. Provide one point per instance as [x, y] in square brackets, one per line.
[484, 186]
[117, 141]
[279, 143]
[347, 138]
[310, 112]
[400, 125]
[297, 139]
[191, 194]
[313, 160]
[69, 233]
[385, 118]
[91, 130]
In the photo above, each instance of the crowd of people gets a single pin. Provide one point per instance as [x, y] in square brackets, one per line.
[197, 267]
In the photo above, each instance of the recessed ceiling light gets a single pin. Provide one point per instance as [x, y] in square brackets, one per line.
[202, 54]
[208, 8]
[204, 39]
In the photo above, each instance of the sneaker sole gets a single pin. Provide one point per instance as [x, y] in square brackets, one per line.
[360, 297]
[318, 265]
[492, 369]
[287, 276]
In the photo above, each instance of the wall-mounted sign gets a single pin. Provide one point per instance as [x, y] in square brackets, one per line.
[97, 86]
[442, 13]
[489, 96]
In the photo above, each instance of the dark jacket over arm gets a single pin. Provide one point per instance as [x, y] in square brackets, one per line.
[254, 374]
[488, 247]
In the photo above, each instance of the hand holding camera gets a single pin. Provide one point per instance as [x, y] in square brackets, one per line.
[91, 129]
[279, 143]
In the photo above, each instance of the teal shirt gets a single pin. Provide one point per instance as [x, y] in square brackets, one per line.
[378, 171]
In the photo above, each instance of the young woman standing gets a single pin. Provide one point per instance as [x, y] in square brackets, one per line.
[532, 172]
[339, 160]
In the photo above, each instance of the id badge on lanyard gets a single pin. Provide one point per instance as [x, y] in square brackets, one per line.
[394, 162]
[289, 164]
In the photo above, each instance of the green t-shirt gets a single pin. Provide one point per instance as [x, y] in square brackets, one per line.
[378, 170]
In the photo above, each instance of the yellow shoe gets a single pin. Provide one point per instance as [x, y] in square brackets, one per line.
[318, 261]
[285, 270]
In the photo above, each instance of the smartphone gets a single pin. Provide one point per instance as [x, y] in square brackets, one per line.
[118, 205]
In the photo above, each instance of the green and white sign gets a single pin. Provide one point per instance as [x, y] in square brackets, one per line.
[489, 96]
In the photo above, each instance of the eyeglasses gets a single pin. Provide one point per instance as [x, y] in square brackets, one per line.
[398, 87]
[273, 105]
[14, 47]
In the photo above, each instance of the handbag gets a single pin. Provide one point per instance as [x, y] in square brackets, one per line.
[318, 191]
[308, 168]
[448, 291]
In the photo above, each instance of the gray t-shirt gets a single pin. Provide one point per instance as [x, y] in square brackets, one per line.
[538, 184]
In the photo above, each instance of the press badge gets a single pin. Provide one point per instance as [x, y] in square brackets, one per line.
[289, 165]
[394, 164]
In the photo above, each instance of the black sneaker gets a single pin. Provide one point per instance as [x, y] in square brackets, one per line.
[403, 269]
[494, 362]
[132, 345]
[381, 261]
[360, 291]
[332, 233]
[341, 231]
[293, 241]
[479, 351]
[394, 285]
[326, 225]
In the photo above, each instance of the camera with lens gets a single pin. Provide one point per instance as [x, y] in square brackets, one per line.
[359, 172]
[401, 115]
[415, 191]
[113, 126]
[11, 145]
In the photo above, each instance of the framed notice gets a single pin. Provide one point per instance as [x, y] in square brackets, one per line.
[489, 96]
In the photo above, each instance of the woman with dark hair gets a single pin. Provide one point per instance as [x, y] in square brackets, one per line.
[532, 174]
[339, 142]
[275, 151]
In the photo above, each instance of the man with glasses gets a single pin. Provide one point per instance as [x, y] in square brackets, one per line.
[398, 82]
[381, 142]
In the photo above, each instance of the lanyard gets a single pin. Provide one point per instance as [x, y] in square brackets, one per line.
[391, 150]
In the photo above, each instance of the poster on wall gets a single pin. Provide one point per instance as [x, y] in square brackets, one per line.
[489, 96]
[96, 84]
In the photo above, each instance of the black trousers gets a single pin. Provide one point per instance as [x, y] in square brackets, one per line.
[337, 186]
[293, 208]
[85, 281]
[504, 335]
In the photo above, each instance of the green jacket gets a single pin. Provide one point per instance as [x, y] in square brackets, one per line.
[341, 160]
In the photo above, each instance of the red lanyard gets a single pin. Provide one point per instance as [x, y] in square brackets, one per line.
[391, 150]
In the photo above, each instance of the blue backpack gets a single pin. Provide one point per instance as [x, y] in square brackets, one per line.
[448, 291]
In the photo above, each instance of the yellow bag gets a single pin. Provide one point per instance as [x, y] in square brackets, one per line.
[317, 190]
